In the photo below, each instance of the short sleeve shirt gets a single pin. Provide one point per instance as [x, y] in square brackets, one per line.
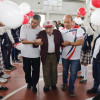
[27, 33]
[72, 35]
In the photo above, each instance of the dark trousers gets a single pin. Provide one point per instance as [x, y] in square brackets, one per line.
[6, 55]
[31, 68]
[50, 70]
[96, 74]
[15, 52]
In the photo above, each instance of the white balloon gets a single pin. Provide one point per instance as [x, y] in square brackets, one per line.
[25, 8]
[95, 17]
[78, 21]
[10, 14]
[18, 46]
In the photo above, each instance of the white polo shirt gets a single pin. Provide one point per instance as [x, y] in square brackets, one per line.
[72, 52]
[27, 33]
[97, 48]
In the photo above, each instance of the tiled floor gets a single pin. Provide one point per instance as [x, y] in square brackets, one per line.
[18, 91]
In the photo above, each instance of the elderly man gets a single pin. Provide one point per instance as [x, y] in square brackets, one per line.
[31, 56]
[51, 41]
[73, 39]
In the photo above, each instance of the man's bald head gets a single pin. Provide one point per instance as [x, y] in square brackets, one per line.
[68, 17]
[68, 21]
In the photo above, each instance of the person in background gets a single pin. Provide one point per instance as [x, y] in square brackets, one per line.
[7, 42]
[96, 66]
[61, 26]
[2, 74]
[58, 23]
[55, 25]
[15, 52]
[85, 57]
[31, 55]
[2, 32]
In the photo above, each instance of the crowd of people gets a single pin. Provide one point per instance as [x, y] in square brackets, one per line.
[44, 45]
[8, 53]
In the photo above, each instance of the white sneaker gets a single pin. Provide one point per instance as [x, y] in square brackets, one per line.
[5, 76]
[2, 80]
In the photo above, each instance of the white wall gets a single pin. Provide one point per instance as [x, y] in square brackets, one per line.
[55, 13]
[56, 17]
[71, 7]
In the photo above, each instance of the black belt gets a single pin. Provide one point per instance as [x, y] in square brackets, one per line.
[50, 53]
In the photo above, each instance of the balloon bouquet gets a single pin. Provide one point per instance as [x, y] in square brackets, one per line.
[25, 8]
[13, 16]
[95, 16]
[81, 12]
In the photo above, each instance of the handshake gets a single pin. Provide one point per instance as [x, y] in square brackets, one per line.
[38, 42]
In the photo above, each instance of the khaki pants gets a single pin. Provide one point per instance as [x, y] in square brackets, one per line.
[50, 70]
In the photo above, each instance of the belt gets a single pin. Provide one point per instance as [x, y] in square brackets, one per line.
[50, 53]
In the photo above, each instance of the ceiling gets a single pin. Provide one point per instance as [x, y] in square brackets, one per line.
[80, 1]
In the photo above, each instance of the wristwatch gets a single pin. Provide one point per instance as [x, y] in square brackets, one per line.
[69, 43]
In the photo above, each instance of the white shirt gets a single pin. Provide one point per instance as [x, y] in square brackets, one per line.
[89, 30]
[29, 34]
[72, 52]
[51, 45]
[3, 30]
[6, 29]
[97, 48]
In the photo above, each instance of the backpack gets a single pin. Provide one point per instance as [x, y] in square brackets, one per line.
[86, 46]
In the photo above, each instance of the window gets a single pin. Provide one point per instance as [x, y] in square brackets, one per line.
[52, 4]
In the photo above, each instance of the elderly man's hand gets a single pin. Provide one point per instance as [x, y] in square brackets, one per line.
[38, 42]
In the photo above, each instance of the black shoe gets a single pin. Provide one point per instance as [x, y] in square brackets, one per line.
[72, 93]
[46, 89]
[3, 88]
[92, 91]
[18, 61]
[53, 87]
[34, 89]
[97, 97]
[13, 61]
[13, 67]
[8, 69]
[63, 87]
[1, 97]
[83, 81]
[28, 86]
[80, 76]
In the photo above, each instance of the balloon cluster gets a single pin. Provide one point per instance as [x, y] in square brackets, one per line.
[81, 12]
[13, 15]
[95, 16]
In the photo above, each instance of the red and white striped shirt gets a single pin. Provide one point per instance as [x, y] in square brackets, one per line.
[72, 35]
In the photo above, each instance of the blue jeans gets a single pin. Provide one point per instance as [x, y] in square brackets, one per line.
[73, 64]
[96, 75]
